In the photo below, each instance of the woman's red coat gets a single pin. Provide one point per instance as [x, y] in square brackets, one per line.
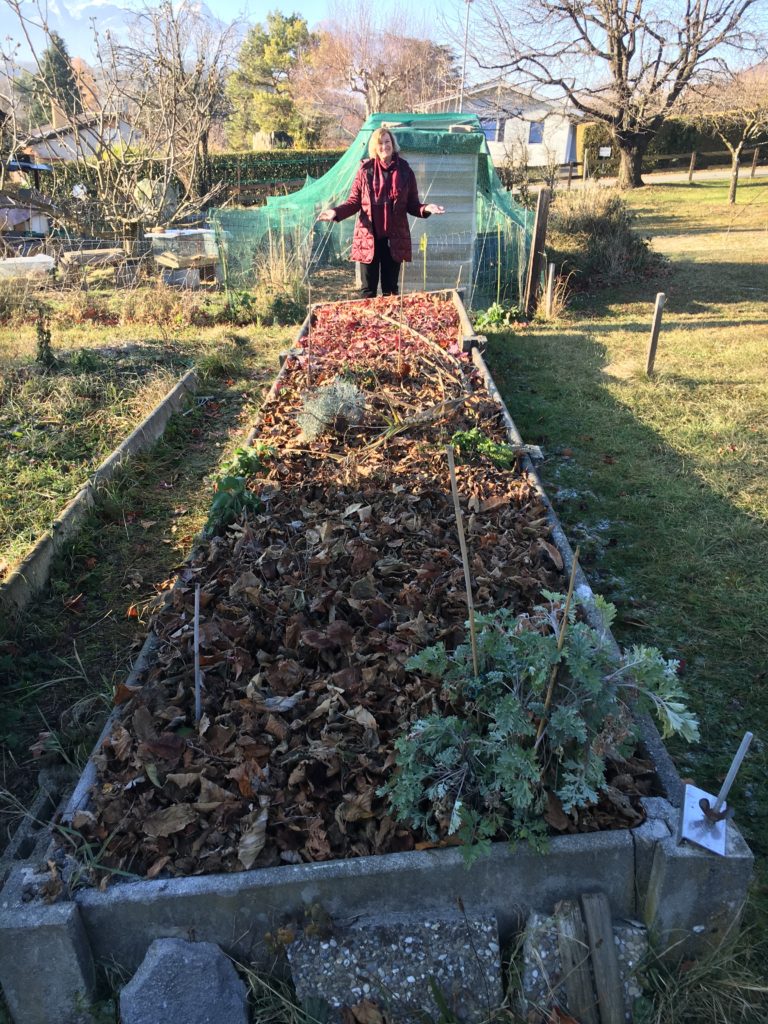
[404, 201]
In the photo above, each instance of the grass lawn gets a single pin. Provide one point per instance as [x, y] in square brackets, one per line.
[663, 481]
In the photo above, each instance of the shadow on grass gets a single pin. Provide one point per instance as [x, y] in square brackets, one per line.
[686, 568]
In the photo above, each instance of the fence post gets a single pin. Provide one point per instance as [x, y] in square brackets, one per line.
[692, 168]
[755, 158]
[655, 328]
[537, 252]
[570, 173]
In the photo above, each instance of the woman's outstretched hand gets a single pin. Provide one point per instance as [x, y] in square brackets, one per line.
[327, 215]
[434, 208]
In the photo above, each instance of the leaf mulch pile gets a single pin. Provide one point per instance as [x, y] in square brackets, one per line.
[310, 610]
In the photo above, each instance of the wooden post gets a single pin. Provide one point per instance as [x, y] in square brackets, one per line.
[692, 168]
[537, 252]
[605, 961]
[570, 173]
[550, 289]
[655, 328]
[574, 953]
[585, 167]
[755, 158]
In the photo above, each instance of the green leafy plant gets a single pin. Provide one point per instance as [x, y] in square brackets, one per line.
[471, 444]
[248, 460]
[331, 407]
[490, 765]
[497, 315]
[232, 497]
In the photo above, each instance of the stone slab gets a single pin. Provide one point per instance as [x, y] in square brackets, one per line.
[400, 962]
[182, 982]
[46, 967]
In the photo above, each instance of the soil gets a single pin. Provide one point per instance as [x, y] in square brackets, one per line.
[310, 609]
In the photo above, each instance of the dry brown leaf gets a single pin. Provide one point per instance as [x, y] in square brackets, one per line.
[171, 819]
[252, 840]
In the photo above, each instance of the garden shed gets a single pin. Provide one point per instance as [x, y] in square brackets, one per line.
[481, 243]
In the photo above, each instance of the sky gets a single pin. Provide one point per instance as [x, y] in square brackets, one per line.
[71, 18]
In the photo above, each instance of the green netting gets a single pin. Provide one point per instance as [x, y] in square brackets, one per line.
[481, 243]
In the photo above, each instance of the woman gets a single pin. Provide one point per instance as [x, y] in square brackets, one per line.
[384, 193]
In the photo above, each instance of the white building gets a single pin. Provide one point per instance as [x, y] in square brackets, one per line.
[519, 126]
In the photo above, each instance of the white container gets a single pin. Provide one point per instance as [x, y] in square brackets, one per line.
[26, 268]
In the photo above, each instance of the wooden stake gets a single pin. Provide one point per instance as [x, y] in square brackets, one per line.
[464, 556]
[755, 158]
[655, 328]
[198, 674]
[692, 168]
[550, 289]
[309, 335]
[570, 173]
[400, 332]
[560, 642]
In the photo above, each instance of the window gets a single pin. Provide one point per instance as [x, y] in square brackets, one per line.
[489, 130]
[536, 132]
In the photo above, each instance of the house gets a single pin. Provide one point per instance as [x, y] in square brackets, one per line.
[518, 125]
[25, 211]
[89, 134]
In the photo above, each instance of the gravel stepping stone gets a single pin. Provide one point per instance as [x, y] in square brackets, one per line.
[398, 963]
[183, 982]
[542, 982]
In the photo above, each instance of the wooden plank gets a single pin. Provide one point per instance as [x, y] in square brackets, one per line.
[574, 954]
[605, 960]
[537, 252]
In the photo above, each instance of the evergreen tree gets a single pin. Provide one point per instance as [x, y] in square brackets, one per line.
[259, 90]
[55, 84]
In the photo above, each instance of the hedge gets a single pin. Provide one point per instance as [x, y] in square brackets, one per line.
[269, 166]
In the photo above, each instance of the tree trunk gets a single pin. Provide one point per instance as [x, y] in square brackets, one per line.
[735, 161]
[632, 147]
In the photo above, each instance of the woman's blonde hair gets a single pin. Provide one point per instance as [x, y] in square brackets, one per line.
[373, 142]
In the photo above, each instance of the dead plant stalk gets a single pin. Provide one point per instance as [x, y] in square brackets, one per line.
[464, 556]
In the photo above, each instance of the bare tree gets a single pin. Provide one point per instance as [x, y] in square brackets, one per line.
[366, 62]
[624, 63]
[734, 107]
[139, 150]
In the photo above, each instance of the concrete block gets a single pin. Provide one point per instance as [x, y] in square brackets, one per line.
[184, 983]
[394, 962]
[645, 837]
[46, 967]
[236, 910]
[695, 898]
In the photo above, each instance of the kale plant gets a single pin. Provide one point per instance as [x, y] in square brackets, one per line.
[486, 767]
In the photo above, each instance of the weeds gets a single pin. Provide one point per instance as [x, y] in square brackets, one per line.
[593, 237]
[724, 986]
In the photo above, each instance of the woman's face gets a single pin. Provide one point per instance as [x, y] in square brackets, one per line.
[384, 149]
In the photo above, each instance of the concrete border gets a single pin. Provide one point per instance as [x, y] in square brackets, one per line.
[31, 574]
[686, 895]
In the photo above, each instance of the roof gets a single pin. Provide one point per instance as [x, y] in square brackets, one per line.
[497, 96]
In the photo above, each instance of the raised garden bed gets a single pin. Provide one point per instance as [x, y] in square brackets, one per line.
[340, 563]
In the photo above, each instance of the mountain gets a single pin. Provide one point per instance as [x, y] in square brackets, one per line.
[74, 22]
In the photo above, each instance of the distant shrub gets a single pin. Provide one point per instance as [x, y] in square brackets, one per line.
[18, 303]
[592, 237]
